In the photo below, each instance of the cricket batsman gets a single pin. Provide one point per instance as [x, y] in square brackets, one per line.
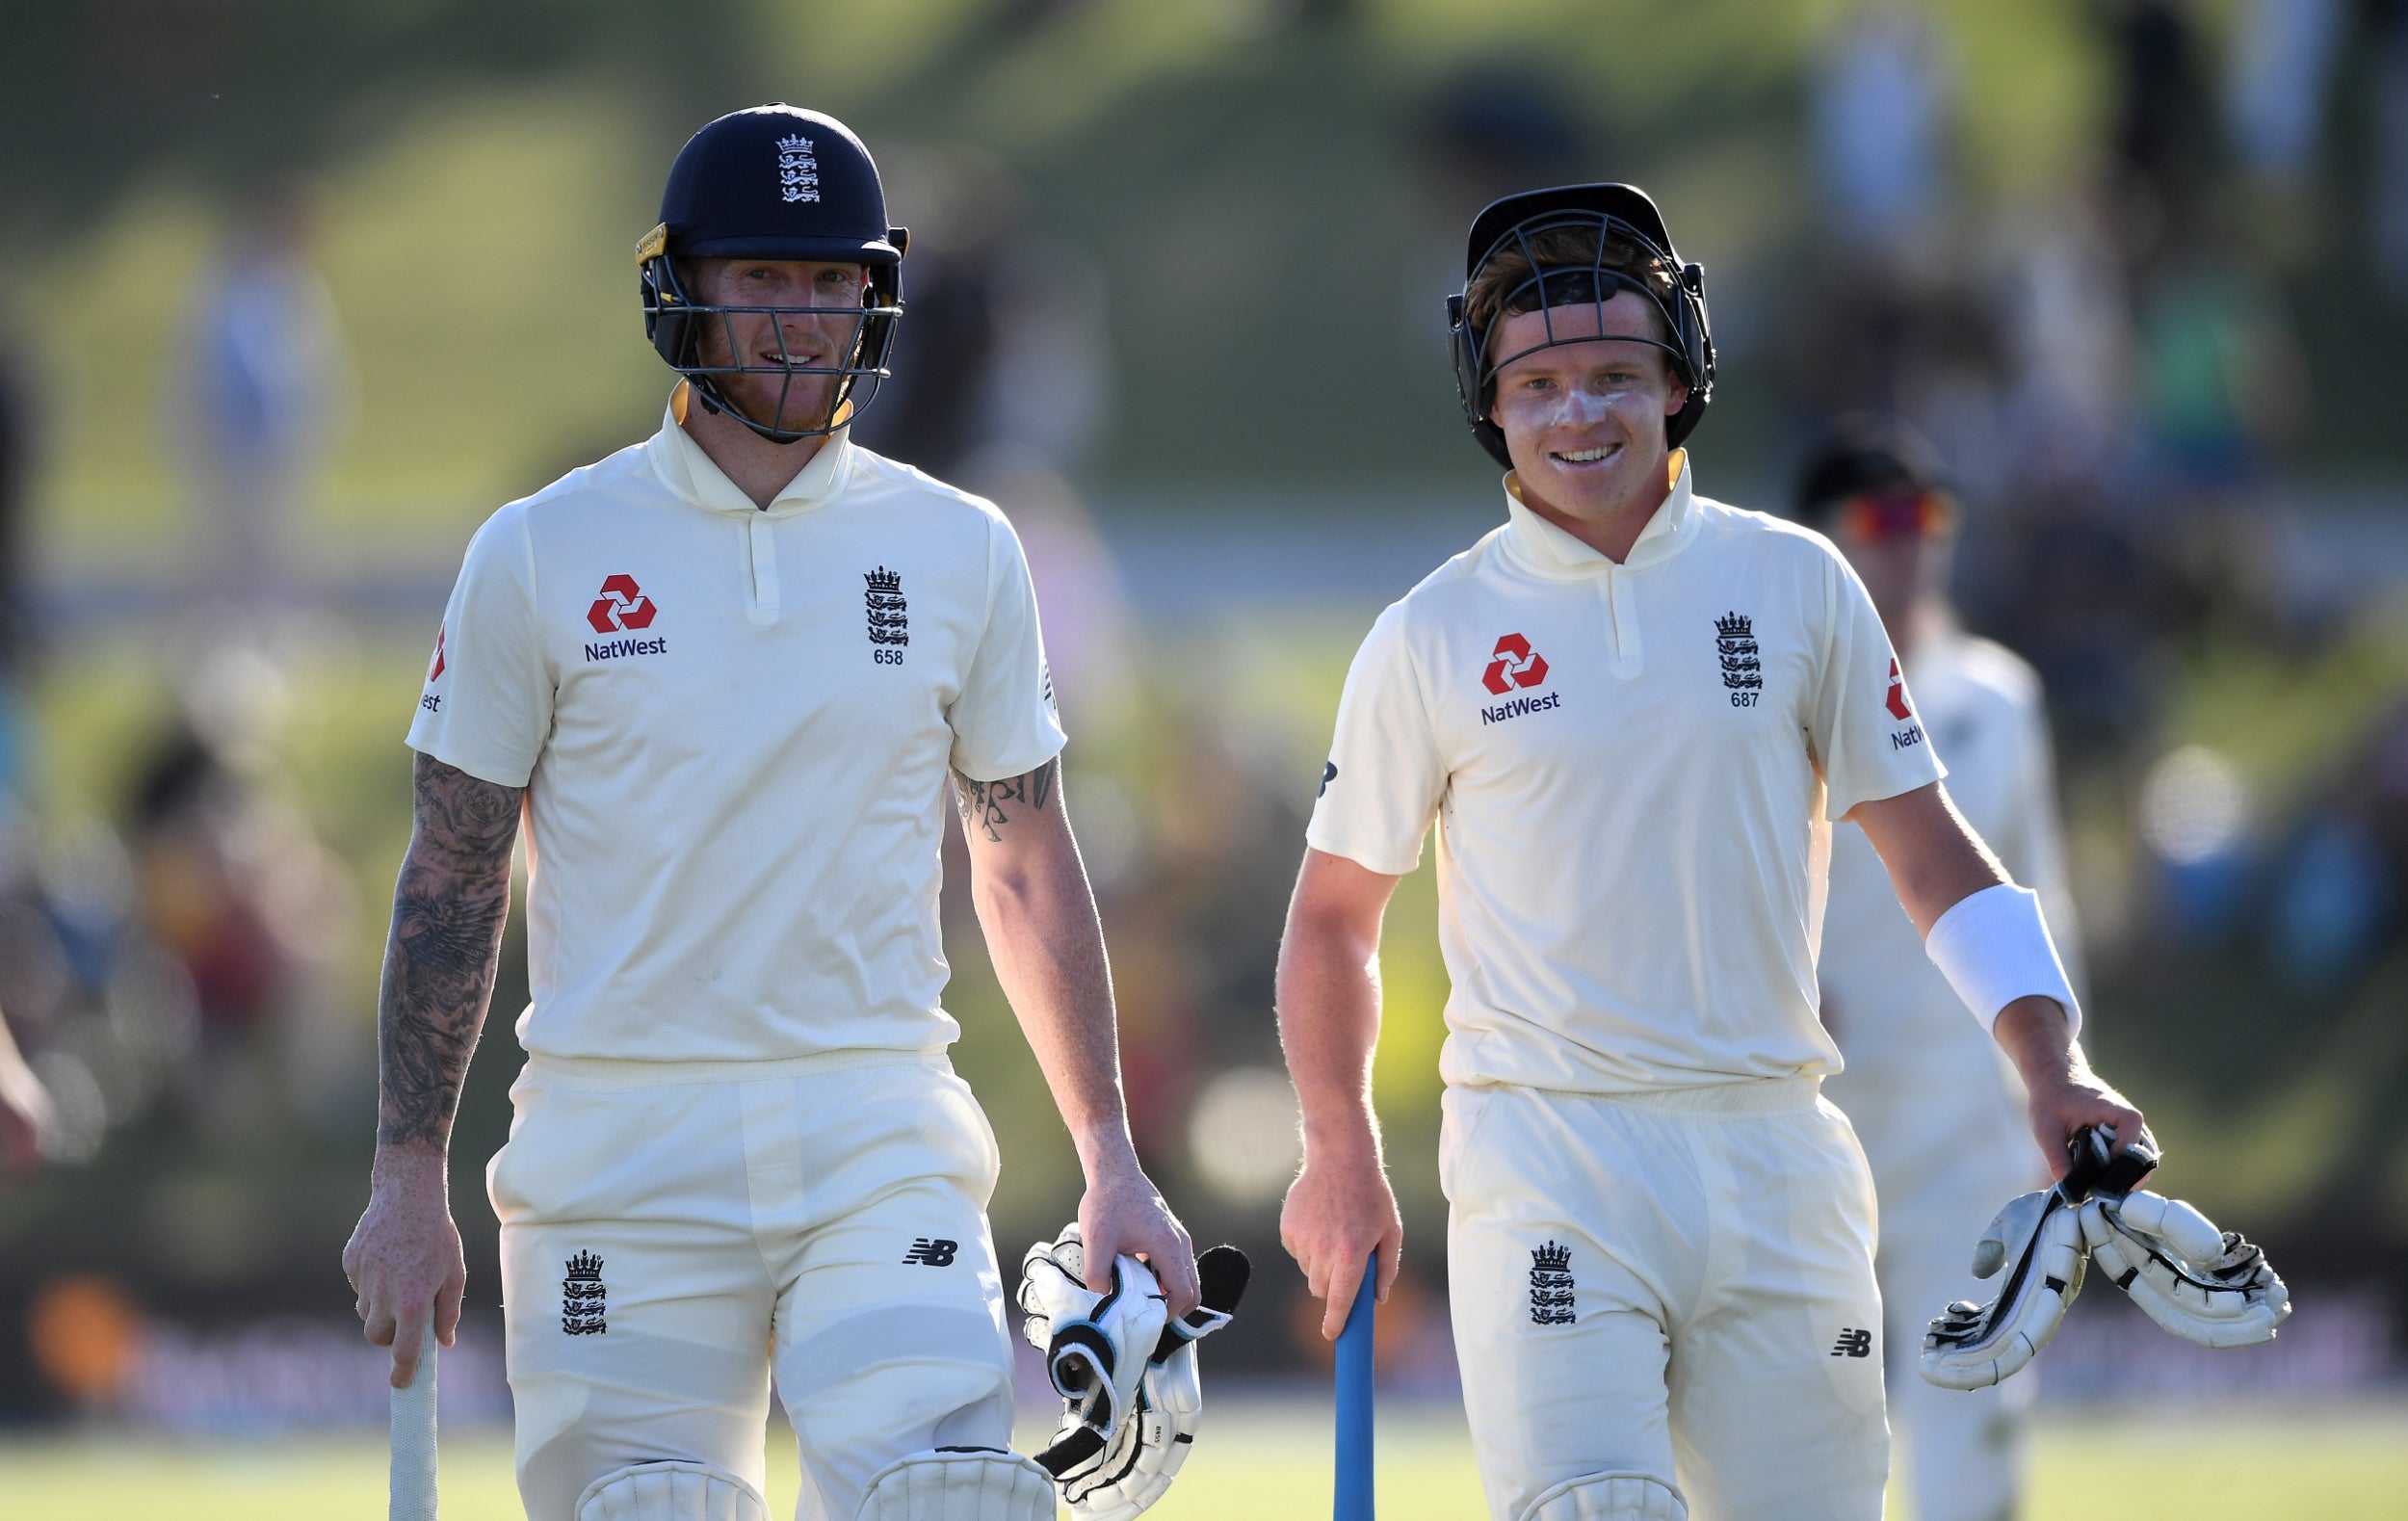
[723, 677]
[1634, 714]
[1936, 1103]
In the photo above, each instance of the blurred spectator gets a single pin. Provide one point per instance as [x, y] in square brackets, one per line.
[2388, 180]
[262, 385]
[1883, 94]
[2164, 134]
[1003, 344]
[16, 590]
[2282, 66]
[26, 1121]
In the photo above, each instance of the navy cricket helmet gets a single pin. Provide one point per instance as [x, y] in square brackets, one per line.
[774, 182]
[1621, 213]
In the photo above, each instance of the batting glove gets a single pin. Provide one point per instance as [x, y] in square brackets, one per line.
[1117, 1479]
[1095, 1345]
[2205, 1285]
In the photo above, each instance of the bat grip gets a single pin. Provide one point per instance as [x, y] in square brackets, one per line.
[1352, 1496]
[414, 1497]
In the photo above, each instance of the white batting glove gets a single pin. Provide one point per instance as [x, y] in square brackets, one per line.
[2038, 1240]
[2205, 1285]
[1117, 1480]
[1095, 1345]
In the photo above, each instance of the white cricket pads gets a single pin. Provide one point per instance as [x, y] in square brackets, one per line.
[1116, 1479]
[1608, 1497]
[2037, 1239]
[1095, 1345]
[959, 1483]
[2205, 1285]
[671, 1491]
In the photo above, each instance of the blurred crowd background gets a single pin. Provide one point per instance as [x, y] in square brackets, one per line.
[292, 295]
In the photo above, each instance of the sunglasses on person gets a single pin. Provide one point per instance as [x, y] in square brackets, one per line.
[1896, 515]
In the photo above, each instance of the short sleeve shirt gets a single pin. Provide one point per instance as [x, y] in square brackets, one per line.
[734, 725]
[1904, 1032]
[1633, 769]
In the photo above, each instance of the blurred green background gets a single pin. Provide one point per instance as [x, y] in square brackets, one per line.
[2151, 319]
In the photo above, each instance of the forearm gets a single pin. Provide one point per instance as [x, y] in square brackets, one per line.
[448, 906]
[2039, 1038]
[1328, 999]
[1047, 946]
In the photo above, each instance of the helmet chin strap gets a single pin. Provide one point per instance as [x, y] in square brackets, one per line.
[707, 391]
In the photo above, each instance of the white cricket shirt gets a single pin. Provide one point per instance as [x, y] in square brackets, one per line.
[734, 726]
[1632, 768]
[1908, 1037]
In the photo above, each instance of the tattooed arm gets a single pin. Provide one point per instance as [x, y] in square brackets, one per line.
[405, 1258]
[1042, 932]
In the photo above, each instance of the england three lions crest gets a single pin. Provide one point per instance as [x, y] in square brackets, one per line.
[1740, 658]
[584, 1303]
[1551, 1285]
[798, 169]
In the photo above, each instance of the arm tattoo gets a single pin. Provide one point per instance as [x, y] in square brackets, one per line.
[989, 805]
[448, 909]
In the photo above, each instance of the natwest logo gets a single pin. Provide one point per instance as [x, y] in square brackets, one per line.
[1516, 665]
[622, 605]
[436, 669]
[1898, 705]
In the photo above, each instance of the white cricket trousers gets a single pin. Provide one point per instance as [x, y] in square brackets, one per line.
[1941, 1166]
[672, 1232]
[1676, 1283]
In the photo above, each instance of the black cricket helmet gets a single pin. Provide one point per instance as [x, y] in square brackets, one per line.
[1621, 212]
[774, 182]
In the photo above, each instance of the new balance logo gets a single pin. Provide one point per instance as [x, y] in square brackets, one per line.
[1852, 1343]
[1551, 1285]
[931, 1252]
[585, 1305]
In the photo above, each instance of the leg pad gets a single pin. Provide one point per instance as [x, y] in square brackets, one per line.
[1609, 1496]
[962, 1483]
[671, 1491]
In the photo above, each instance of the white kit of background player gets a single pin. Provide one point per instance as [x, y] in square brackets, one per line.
[1935, 1102]
[1634, 714]
[731, 667]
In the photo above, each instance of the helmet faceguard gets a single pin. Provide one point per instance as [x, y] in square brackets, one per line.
[775, 182]
[675, 322]
[1618, 212]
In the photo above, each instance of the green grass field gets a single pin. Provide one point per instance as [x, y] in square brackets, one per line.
[1268, 1462]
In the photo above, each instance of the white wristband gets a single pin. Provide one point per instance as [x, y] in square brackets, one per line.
[1994, 947]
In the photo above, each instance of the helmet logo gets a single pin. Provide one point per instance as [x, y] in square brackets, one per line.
[798, 171]
[621, 606]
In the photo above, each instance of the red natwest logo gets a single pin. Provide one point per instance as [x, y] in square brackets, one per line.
[1899, 709]
[622, 605]
[1516, 665]
[436, 669]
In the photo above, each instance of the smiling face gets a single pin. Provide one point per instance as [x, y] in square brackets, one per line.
[1583, 417]
[815, 326]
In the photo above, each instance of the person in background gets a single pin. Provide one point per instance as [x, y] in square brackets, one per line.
[1936, 1103]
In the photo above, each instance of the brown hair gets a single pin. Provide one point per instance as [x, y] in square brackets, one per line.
[1496, 293]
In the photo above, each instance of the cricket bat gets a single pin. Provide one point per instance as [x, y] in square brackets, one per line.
[1351, 1499]
[413, 1440]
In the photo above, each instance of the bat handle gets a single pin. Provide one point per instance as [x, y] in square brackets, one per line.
[1352, 1497]
[413, 1440]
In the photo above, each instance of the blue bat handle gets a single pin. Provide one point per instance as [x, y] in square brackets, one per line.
[1352, 1496]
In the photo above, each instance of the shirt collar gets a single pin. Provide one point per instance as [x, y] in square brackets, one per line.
[1552, 551]
[687, 470]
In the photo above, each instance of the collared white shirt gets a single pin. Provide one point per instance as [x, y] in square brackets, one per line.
[734, 725]
[1903, 1029]
[1632, 768]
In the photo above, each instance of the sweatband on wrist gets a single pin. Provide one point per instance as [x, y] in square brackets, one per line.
[1994, 947]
